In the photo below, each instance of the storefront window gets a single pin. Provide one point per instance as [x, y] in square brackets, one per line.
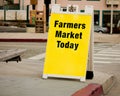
[74, 0]
[9, 5]
[96, 17]
[107, 18]
[93, 0]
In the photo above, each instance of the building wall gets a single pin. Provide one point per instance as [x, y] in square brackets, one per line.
[16, 1]
[25, 3]
[99, 6]
[1, 2]
[40, 5]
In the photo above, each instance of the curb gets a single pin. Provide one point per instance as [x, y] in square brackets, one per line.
[23, 40]
[96, 87]
[90, 90]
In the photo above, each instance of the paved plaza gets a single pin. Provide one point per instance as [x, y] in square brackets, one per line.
[25, 78]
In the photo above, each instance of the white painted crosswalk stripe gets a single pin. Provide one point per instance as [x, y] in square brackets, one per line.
[108, 55]
[38, 57]
[111, 55]
[102, 62]
[107, 52]
[106, 58]
[102, 55]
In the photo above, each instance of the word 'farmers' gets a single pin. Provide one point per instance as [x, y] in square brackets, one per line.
[69, 25]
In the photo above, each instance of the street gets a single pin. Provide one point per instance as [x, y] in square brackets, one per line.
[11, 29]
[106, 58]
[33, 49]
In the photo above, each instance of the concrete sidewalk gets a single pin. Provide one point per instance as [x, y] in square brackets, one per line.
[42, 37]
[23, 37]
[25, 79]
[110, 38]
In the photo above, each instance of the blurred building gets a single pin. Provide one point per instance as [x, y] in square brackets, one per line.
[102, 8]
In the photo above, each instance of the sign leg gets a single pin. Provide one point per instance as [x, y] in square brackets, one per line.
[45, 76]
[82, 79]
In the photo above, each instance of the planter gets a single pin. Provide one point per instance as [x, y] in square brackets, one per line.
[30, 28]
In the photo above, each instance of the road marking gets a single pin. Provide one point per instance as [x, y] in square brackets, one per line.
[102, 62]
[106, 58]
[107, 52]
[99, 57]
[109, 55]
[38, 57]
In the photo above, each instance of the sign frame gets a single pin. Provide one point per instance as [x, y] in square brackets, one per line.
[88, 10]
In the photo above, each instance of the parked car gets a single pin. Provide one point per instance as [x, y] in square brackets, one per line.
[100, 29]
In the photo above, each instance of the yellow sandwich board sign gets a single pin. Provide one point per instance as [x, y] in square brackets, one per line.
[67, 46]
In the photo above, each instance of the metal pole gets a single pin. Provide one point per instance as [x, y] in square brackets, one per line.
[111, 28]
[22, 4]
[4, 7]
[53, 1]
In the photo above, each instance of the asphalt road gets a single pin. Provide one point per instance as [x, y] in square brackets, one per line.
[106, 58]
[33, 49]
